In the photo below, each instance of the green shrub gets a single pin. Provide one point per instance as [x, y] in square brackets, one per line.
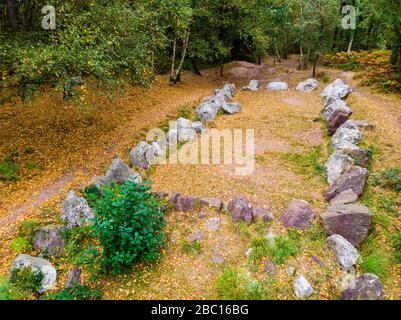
[128, 224]
[234, 285]
[9, 169]
[8, 291]
[25, 280]
[78, 292]
[20, 245]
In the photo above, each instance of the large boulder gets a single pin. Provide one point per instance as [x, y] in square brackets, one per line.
[277, 86]
[252, 86]
[346, 135]
[241, 209]
[298, 215]
[336, 90]
[350, 221]
[144, 155]
[308, 85]
[333, 105]
[347, 255]
[354, 178]
[120, 173]
[302, 288]
[336, 165]
[49, 241]
[37, 266]
[76, 211]
[367, 287]
[337, 119]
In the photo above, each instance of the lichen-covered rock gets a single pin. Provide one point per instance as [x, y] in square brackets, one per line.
[308, 85]
[49, 241]
[120, 173]
[241, 209]
[76, 211]
[230, 89]
[277, 86]
[144, 155]
[367, 287]
[252, 86]
[337, 90]
[302, 288]
[350, 221]
[231, 107]
[336, 165]
[73, 278]
[347, 255]
[298, 215]
[333, 105]
[37, 265]
[206, 111]
[347, 133]
[354, 178]
[328, 90]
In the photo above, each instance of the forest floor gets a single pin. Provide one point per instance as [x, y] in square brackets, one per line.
[60, 147]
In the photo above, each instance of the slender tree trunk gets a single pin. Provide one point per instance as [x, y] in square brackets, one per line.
[12, 15]
[221, 65]
[173, 58]
[277, 53]
[334, 46]
[315, 66]
[183, 54]
[351, 41]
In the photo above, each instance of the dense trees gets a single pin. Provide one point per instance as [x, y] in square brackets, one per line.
[134, 39]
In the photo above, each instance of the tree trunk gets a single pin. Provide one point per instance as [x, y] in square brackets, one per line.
[183, 54]
[173, 58]
[12, 15]
[221, 66]
[315, 66]
[351, 41]
[277, 53]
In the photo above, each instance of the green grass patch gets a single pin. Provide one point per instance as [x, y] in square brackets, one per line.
[375, 259]
[9, 168]
[310, 163]
[389, 178]
[78, 292]
[20, 245]
[191, 248]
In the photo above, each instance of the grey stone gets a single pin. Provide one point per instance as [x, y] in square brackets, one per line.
[298, 215]
[346, 134]
[212, 203]
[48, 240]
[231, 107]
[198, 126]
[186, 203]
[336, 165]
[252, 86]
[120, 173]
[277, 86]
[206, 112]
[197, 236]
[337, 90]
[144, 155]
[347, 255]
[350, 221]
[230, 89]
[263, 214]
[73, 278]
[354, 178]
[333, 105]
[37, 265]
[318, 261]
[270, 268]
[344, 197]
[302, 288]
[328, 90]
[218, 258]
[240, 208]
[308, 85]
[76, 211]
[367, 287]
[291, 271]
[213, 224]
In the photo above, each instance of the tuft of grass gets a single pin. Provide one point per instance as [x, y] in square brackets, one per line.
[78, 292]
[191, 248]
[184, 111]
[396, 243]
[20, 245]
[243, 230]
[309, 163]
[389, 178]
[278, 250]
[27, 228]
[374, 259]
[235, 285]
[9, 169]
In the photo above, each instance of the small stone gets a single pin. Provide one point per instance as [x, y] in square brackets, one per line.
[347, 255]
[73, 278]
[252, 86]
[240, 208]
[202, 215]
[197, 236]
[213, 224]
[231, 107]
[344, 197]
[248, 252]
[277, 86]
[337, 119]
[270, 268]
[262, 214]
[185, 204]
[212, 203]
[218, 258]
[76, 211]
[308, 85]
[173, 198]
[318, 261]
[290, 270]
[302, 288]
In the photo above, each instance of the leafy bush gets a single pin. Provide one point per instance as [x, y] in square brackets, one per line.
[234, 285]
[78, 292]
[25, 280]
[129, 224]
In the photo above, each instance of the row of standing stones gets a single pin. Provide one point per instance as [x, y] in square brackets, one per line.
[347, 223]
